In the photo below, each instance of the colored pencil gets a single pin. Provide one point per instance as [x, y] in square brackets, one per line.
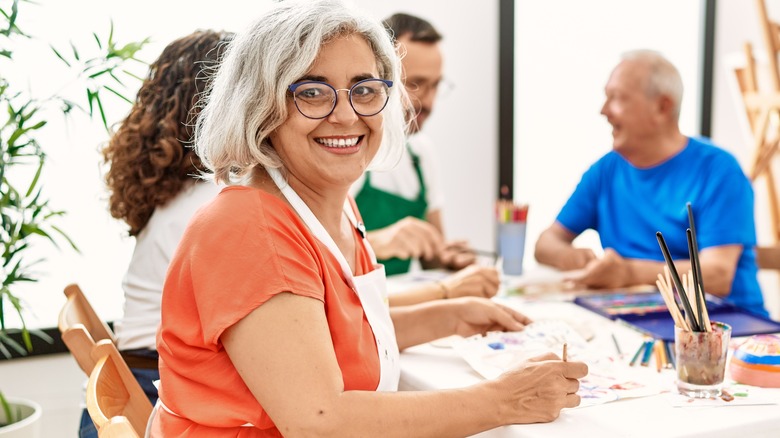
[565, 352]
[648, 352]
[638, 352]
[617, 346]
[669, 354]
[662, 354]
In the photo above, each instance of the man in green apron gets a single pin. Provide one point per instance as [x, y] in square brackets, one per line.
[401, 208]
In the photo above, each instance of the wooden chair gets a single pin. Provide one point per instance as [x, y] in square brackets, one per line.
[115, 401]
[81, 328]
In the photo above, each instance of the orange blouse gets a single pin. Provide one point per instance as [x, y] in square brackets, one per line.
[238, 252]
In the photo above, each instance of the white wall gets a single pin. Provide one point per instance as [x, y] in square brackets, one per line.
[463, 126]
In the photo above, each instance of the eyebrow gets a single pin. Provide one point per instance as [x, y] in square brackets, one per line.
[315, 78]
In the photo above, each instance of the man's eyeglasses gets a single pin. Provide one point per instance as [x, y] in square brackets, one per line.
[443, 87]
[317, 100]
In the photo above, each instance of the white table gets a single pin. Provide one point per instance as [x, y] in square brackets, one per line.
[430, 367]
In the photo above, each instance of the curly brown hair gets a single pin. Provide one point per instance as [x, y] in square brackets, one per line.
[149, 155]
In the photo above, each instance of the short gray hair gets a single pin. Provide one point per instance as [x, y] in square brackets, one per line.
[663, 78]
[248, 97]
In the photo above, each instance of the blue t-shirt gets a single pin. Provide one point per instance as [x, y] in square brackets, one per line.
[627, 205]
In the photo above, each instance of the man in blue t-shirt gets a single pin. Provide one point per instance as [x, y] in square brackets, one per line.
[643, 185]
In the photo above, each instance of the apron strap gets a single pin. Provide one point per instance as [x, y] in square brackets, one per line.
[316, 227]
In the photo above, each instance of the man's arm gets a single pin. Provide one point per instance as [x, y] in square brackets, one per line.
[555, 248]
[718, 267]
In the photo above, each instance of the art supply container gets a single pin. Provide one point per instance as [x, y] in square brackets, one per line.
[701, 360]
[511, 246]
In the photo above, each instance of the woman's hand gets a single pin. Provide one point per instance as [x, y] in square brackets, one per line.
[474, 281]
[472, 316]
[536, 391]
[420, 323]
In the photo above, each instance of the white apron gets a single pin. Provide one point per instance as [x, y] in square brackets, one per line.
[371, 288]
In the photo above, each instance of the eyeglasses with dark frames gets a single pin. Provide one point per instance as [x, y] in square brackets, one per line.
[317, 100]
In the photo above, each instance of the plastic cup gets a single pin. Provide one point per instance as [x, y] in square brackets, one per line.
[511, 246]
[701, 360]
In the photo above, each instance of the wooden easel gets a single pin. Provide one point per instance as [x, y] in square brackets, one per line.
[763, 113]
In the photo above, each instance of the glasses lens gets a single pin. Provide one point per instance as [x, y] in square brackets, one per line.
[445, 88]
[314, 100]
[369, 97]
[421, 88]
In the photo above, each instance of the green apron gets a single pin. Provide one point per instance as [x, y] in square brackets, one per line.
[381, 209]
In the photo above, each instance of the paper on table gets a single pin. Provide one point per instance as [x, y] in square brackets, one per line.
[608, 379]
[498, 352]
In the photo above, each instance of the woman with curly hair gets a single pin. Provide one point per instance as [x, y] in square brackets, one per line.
[154, 187]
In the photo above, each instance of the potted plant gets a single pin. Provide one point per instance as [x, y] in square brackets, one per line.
[26, 218]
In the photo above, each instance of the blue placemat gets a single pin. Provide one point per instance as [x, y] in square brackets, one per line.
[647, 312]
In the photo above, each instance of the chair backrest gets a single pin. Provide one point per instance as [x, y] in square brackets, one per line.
[115, 400]
[118, 427]
[81, 328]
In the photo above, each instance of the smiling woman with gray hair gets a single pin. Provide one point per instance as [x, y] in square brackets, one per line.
[274, 314]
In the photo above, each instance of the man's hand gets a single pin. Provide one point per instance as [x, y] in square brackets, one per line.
[609, 272]
[408, 238]
[576, 258]
[456, 255]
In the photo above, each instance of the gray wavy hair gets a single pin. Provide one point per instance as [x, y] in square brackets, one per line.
[663, 79]
[248, 96]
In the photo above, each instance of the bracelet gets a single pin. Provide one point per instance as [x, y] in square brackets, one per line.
[444, 288]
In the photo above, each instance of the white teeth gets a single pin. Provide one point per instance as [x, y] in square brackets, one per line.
[338, 143]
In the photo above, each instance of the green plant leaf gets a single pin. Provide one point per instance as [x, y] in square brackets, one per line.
[62, 58]
[5, 405]
[34, 181]
[118, 94]
[75, 51]
[132, 75]
[90, 98]
[102, 113]
[66, 237]
[101, 72]
[11, 342]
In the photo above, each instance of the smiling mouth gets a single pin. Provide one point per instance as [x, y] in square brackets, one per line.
[339, 142]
